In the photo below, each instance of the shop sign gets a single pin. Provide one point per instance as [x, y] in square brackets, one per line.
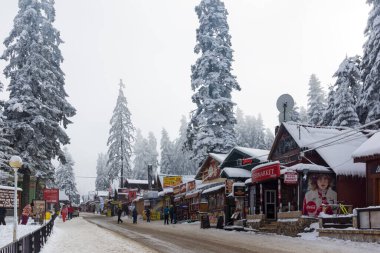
[132, 195]
[6, 198]
[182, 188]
[38, 210]
[171, 181]
[191, 185]
[266, 172]
[239, 191]
[123, 190]
[291, 177]
[246, 161]
[51, 195]
[176, 190]
[228, 186]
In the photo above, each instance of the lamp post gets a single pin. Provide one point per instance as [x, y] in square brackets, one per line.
[15, 162]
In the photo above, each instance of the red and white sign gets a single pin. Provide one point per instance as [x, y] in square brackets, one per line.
[265, 172]
[51, 195]
[291, 177]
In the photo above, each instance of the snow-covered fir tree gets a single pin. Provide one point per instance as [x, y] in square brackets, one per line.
[368, 107]
[153, 153]
[102, 181]
[183, 164]
[37, 109]
[328, 114]
[120, 139]
[167, 154]
[268, 139]
[141, 156]
[295, 113]
[316, 101]
[211, 127]
[65, 178]
[303, 115]
[240, 128]
[348, 79]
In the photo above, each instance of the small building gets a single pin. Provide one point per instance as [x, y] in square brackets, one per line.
[369, 153]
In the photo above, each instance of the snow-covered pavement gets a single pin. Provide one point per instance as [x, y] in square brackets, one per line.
[78, 235]
[6, 232]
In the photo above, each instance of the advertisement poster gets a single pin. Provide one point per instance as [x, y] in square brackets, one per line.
[7, 196]
[172, 181]
[319, 194]
[38, 209]
[51, 195]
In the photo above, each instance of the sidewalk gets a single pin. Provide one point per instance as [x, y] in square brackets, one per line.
[78, 235]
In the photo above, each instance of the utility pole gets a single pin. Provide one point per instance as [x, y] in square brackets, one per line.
[122, 165]
[150, 176]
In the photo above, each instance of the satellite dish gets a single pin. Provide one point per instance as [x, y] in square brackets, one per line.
[285, 103]
[283, 117]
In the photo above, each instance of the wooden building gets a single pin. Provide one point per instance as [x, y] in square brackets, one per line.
[369, 153]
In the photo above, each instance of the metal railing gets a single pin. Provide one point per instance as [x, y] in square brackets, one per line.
[31, 243]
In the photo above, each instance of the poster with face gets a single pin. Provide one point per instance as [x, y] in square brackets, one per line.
[319, 194]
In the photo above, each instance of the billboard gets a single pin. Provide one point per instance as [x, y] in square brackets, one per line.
[170, 181]
[51, 195]
[319, 194]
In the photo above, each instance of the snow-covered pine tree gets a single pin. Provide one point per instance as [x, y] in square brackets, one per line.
[167, 154]
[120, 139]
[260, 133]
[294, 113]
[211, 128]
[141, 156]
[65, 178]
[348, 79]
[153, 154]
[37, 105]
[269, 139]
[316, 101]
[102, 181]
[240, 129]
[368, 107]
[183, 164]
[328, 114]
[303, 115]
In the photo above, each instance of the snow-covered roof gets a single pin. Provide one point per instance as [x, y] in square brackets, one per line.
[218, 157]
[213, 189]
[335, 145]
[4, 187]
[248, 181]
[260, 154]
[236, 172]
[369, 148]
[137, 181]
[63, 196]
[165, 191]
[310, 167]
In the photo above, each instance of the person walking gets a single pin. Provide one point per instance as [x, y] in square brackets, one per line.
[147, 213]
[171, 214]
[64, 212]
[70, 211]
[166, 215]
[25, 214]
[119, 212]
[134, 215]
[3, 213]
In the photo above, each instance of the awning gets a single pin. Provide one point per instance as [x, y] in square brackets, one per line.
[213, 189]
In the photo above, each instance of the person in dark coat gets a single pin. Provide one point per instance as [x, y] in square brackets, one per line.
[3, 213]
[134, 215]
[171, 213]
[147, 213]
[166, 215]
[119, 212]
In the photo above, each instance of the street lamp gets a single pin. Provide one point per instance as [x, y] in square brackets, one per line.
[15, 162]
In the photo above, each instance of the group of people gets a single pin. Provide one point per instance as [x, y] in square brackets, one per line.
[67, 212]
[120, 212]
[169, 212]
[26, 212]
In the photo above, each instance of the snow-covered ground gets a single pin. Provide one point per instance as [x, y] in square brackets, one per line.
[6, 232]
[78, 235]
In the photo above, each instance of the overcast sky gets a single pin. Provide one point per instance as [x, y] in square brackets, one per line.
[278, 44]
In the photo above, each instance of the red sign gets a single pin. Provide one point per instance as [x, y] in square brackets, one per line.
[265, 172]
[132, 195]
[51, 195]
[291, 177]
[246, 161]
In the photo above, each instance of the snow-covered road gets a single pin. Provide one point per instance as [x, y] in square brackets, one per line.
[78, 235]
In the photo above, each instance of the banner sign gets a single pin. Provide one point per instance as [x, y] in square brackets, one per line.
[291, 177]
[38, 210]
[176, 190]
[265, 172]
[191, 185]
[228, 186]
[171, 181]
[6, 198]
[239, 191]
[182, 188]
[51, 195]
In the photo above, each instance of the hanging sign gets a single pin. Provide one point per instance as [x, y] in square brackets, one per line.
[182, 188]
[291, 177]
[191, 185]
[266, 171]
[51, 195]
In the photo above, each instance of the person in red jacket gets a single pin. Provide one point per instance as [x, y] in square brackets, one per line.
[25, 214]
[70, 211]
[64, 212]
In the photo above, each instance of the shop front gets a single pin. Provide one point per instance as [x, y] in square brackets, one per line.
[215, 199]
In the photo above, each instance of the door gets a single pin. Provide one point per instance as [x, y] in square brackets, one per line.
[377, 191]
[270, 204]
